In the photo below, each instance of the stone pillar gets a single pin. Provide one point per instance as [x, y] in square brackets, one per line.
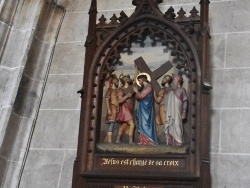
[26, 73]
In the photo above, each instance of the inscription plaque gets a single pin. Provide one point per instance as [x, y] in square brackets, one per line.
[137, 163]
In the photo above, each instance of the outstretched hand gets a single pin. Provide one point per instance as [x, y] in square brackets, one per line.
[109, 112]
[135, 89]
[129, 95]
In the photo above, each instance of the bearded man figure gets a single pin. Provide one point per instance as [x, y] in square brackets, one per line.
[176, 104]
[145, 110]
[159, 99]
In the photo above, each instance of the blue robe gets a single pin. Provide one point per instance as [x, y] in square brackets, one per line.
[146, 116]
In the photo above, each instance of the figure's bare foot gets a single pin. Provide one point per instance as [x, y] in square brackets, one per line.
[151, 144]
[131, 142]
[131, 139]
[118, 139]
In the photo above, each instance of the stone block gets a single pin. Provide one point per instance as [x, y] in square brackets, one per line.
[10, 136]
[233, 18]
[12, 175]
[60, 92]
[14, 148]
[214, 168]
[25, 15]
[215, 131]
[79, 103]
[10, 79]
[9, 58]
[28, 97]
[22, 53]
[68, 58]
[42, 169]
[74, 27]
[114, 5]
[231, 88]
[78, 6]
[16, 138]
[67, 170]
[235, 131]
[38, 60]
[22, 139]
[237, 50]
[64, 3]
[56, 129]
[8, 11]
[4, 29]
[176, 2]
[233, 171]
[3, 166]
[217, 51]
[5, 115]
[49, 23]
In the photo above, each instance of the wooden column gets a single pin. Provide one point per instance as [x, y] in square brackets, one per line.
[205, 99]
[90, 45]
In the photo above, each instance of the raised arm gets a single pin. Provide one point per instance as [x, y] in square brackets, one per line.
[144, 93]
[158, 98]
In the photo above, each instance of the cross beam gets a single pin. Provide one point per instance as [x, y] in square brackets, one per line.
[143, 67]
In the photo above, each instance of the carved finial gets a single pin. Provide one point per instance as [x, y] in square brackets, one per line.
[194, 13]
[181, 13]
[136, 2]
[147, 6]
[123, 17]
[114, 19]
[93, 7]
[204, 1]
[157, 2]
[170, 15]
[102, 20]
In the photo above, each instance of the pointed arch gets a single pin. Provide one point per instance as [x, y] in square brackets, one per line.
[182, 34]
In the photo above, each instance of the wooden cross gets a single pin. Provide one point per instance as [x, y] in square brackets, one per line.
[143, 67]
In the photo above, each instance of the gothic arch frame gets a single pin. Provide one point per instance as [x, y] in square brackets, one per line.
[97, 65]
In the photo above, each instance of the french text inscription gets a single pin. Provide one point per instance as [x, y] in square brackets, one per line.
[138, 162]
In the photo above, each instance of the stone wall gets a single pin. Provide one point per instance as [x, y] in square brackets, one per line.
[230, 69]
[41, 70]
[29, 32]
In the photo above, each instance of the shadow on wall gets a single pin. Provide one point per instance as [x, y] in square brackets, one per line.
[15, 145]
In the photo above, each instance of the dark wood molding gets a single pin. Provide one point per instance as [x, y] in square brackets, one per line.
[188, 37]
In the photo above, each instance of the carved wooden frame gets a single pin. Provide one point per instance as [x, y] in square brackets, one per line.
[188, 35]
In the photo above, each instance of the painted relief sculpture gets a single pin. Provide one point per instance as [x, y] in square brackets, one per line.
[125, 114]
[176, 108]
[159, 99]
[121, 108]
[145, 110]
[112, 105]
[173, 141]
